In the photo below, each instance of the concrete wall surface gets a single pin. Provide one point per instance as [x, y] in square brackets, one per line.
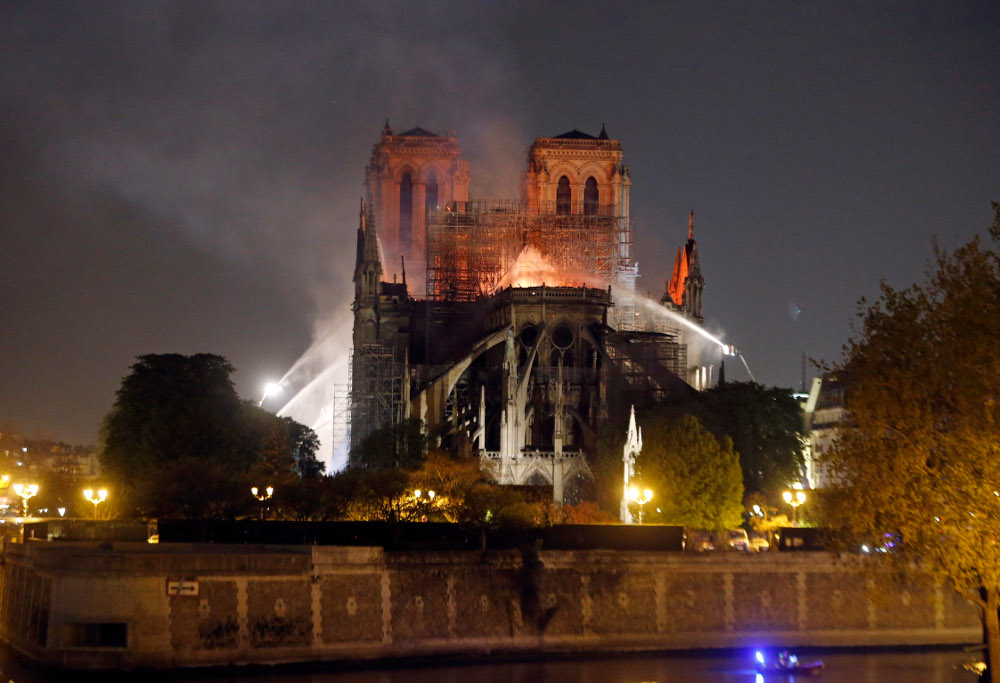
[123, 605]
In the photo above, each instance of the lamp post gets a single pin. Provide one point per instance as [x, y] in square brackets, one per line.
[268, 492]
[795, 501]
[418, 497]
[26, 491]
[102, 495]
[647, 495]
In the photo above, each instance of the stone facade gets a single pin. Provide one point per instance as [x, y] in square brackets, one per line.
[554, 269]
[81, 606]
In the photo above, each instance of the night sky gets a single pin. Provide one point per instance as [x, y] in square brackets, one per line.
[184, 176]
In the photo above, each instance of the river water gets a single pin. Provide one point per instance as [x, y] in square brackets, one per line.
[939, 666]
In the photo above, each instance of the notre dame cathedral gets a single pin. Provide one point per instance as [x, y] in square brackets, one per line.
[512, 327]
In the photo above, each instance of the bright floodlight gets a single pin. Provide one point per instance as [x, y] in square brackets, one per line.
[270, 389]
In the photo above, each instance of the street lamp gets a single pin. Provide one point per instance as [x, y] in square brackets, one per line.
[633, 494]
[268, 492]
[102, 495]
[795, 501]
[26, 491]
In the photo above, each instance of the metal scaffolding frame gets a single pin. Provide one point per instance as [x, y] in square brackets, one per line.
[472, 245]
[341, 416]
[376, 390]
[650, 363]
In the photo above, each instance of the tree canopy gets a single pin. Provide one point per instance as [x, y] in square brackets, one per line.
[765, 425]
[179, 441]
[394, 446]
[920, 463]
[695, 477]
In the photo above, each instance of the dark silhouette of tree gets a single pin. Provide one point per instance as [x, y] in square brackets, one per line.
[921, 460]
[179, 442]
[396, 446]
[766, 428]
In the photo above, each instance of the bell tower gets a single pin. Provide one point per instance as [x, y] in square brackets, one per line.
[409, 175]
[576, 173]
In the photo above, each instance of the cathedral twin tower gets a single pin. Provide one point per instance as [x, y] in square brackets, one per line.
[415, 173]
[512, 329]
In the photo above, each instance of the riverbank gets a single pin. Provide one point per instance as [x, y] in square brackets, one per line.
[133, 605]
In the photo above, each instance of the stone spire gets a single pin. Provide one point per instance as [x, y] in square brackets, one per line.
[368, 265]
[684, 289]
[633, 446]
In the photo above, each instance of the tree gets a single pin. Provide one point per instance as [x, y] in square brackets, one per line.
[178, 440]
[451, 479]
[920, 463]
[394, 446]
[491, 506]
[695, 478]
[765, 425]
[169, 407]
[285, 449]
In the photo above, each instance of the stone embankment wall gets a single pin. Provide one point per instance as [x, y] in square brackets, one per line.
[139, 605]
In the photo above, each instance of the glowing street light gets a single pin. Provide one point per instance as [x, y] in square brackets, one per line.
[419, 497]
[633, 494]
[26, 491]
[268, 492]
[102, 495]
[795, 501]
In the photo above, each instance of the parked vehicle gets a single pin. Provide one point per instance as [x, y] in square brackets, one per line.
[701, 540]
[759, 543]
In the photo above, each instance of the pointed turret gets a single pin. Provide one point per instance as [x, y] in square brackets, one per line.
[633, 446]
[604, 133]
[675, 287]
[685, 286]
[368, 266]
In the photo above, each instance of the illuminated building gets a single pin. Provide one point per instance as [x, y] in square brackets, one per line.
[511, 328]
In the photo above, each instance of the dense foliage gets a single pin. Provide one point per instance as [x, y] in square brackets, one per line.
[695, 477]
[180, 442]
[920, 465]
[395, 446]
[766, 428]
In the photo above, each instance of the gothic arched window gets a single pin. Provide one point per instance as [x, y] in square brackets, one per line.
[405, 212]
[431, 193]
[591, 199]
[564, 196]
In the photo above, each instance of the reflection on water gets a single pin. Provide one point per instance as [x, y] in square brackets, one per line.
[919, 667]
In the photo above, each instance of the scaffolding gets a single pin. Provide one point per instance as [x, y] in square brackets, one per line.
[341, 422]
[471, 246]
[650, 363]
[376, 390]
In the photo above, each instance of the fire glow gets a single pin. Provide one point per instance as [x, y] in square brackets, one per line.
[531, 269]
